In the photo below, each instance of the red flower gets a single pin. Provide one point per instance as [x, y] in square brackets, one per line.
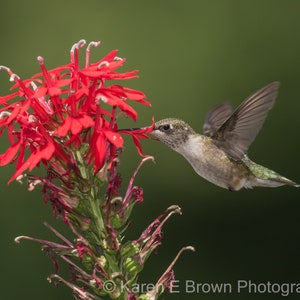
[75, 125]
[62, 109]
[137, 134]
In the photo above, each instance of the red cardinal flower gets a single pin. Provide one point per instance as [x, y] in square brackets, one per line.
[65, 108]
[137, 134]
[65, 120]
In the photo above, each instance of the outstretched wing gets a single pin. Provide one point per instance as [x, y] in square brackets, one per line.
[216, 117]
[237, 133]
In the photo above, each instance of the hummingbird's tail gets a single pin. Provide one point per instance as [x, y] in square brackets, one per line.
[263, 176]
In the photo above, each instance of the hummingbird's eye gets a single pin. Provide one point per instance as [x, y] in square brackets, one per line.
[165, 128]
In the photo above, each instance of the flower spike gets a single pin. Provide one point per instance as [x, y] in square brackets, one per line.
[64, 120]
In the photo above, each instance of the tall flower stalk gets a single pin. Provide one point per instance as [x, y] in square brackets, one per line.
[65, 121]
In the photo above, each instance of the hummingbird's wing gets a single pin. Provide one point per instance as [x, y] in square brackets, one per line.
[216, 117]
[237, 133]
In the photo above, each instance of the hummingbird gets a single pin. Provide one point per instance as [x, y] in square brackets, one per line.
[220, 154]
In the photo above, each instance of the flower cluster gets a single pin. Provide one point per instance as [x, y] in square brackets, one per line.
[56, 112]
[65, 120]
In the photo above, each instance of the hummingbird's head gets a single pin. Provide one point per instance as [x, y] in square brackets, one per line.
[172, 132]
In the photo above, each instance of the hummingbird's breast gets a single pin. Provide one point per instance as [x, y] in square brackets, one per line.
[212, 163]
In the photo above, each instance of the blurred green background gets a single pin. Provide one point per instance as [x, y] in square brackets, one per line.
[191, 55]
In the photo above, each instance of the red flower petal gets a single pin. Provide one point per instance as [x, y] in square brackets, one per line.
[75, 125]
[41, 91]
[126, 75]
[129, 93]
[64, 128]
[8, 97]
[45, 153]
[138, 145]
[10, 153]
[92, 73]
[54, 91]
[113, 100]
[64, 82]
[86, 121]
[114, 138]
[41, 153]
[110, 56]
[99, 153]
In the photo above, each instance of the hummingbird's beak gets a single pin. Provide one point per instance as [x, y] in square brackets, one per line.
[134, 129]
[138, 130]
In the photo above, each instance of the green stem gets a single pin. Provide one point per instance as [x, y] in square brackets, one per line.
[97, 216]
